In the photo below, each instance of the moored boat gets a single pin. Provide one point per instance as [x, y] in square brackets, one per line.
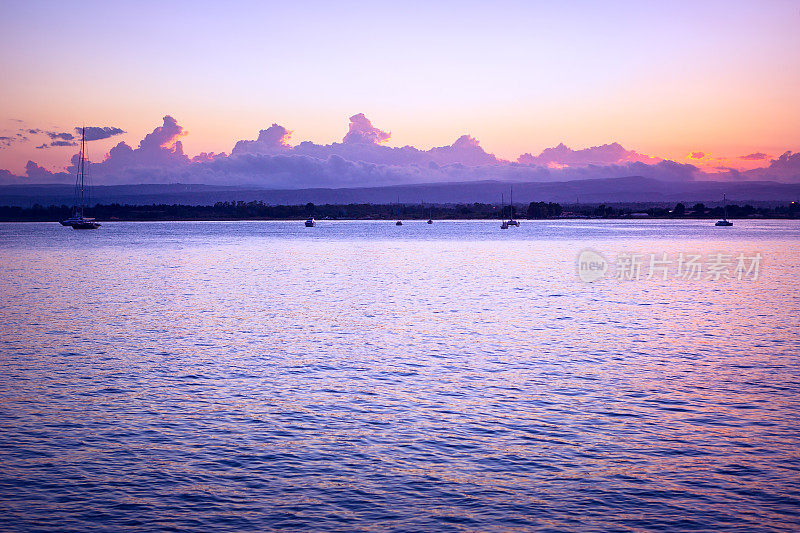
[510, 222]
[724, 221]
[78, 220]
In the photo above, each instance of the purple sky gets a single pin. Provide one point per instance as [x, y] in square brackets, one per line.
[712, 84]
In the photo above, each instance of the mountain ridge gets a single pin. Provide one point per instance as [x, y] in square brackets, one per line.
[600, 190]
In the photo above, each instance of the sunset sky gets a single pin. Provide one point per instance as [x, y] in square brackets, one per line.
[719, 79]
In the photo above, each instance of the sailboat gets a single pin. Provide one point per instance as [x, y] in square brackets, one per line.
[77, 220]
[399, 222]
[504, 225]
[510, 221]
[724, 221]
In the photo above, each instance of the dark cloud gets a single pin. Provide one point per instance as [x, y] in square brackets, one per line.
[7, 177]
[6, 141]
[43, 146]
[63, 143]
[58, 135]
[785, 168]
[96, 133]
[35, 172]
[757, 156]
[787, 160]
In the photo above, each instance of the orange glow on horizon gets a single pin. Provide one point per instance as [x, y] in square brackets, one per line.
[712, 164]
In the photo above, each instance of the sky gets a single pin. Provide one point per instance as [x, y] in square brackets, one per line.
[700, 83]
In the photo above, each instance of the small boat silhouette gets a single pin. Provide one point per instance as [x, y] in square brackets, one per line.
[724, 221]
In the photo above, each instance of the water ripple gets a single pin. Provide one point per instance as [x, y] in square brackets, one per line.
[253, 376]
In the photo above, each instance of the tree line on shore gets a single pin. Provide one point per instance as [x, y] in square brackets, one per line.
[257, 210]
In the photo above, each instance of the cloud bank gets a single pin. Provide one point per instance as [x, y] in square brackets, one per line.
[361, 159]
[607, 154]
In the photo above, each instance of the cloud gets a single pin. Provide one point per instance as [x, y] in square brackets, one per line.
[287, 170]
[722, 166]
[93, 133]
[757, 156]
[35, 172]
[465, 150]
[785, 168]
[606, 154]
[164, 136]
[361, 159]
[271, 140]
[787, 160]
[63, 136]
[56, 144]
[206, 156]
[362, 132]
[96, 133]
[160, 151]
[8, 140]
[6, 177]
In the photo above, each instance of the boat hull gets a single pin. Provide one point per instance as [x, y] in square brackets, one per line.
[86, 225]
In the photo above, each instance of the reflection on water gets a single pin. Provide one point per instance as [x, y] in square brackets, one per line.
[362, 376]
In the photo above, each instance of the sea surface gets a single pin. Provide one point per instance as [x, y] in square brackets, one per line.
[362, 376]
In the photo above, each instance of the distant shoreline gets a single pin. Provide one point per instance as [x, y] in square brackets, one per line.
[232, 211]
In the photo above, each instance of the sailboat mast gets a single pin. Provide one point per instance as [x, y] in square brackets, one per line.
[82, 170]
[725, 205]
[511, 204]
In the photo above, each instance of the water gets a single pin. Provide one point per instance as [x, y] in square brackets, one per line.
[359, 376]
